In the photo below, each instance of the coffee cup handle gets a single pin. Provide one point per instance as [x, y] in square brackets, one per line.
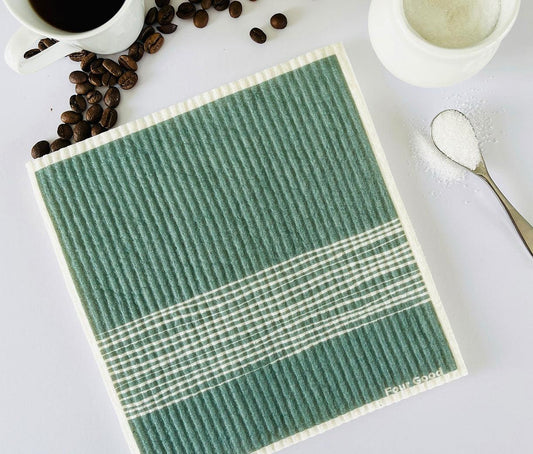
[24, 39]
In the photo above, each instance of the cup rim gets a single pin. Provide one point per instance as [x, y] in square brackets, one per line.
[55, 32]
[496, 36]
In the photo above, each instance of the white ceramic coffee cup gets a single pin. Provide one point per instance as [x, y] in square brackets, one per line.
[416, 61]
[115, 35]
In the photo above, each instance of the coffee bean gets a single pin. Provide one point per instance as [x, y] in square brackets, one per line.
[78, 103]
[112, 97]
[186, 10]
[258, 35]
[97, 67]
[220, 5]
[84, 88]
[109, 118]
[59, 143]
[77, 77]
[278, 21]
[162, 3]
[127, 63]
[109, 80]
[78, 56]
[235, 9]
[94, 113]
[206, 4]
[166, 14]
[97, 129]
[201, 18]
[136, 51]
[167, 29]
[81, 131]
[151, 16]
[94, 97]
[145, 33]
[86, 61]
[45, 43]
[153, 43]
[40, 149]
[64, 131]
[128, 80]
[70, 117]
[113, 67]
[95, 80]
[30, 53]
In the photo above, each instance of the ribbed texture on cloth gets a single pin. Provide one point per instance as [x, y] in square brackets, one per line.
[242, 266]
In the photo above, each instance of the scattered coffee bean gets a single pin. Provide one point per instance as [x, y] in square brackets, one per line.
[201, 18]
[109, 118]
[94, 113]
[153, 43]
[81, 131]
[112, 97]
[77, 77]
[78, 56]
[278, 21]
[94, 97]
[70, 117]
[64, 131]
[167, 29]
[166, 14]
[235, 9]
[109, 80]
[108, 72]
[45, 43]
[136, 51]
[128, 80]
[145, 33]
[30, 53]
[258, 35]
[128, 63]
[59, 143]
[40, 149]
[220, 5]
[113, 67]
[95, 80]
[97, 129]
[97, 66]
[84, 88]
[151, 16]
[86, 61]
[77, 103]
[186, 10]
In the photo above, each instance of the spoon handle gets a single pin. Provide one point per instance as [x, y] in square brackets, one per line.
[524, 228]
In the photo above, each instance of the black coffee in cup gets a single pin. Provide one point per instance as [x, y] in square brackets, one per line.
[74, 15]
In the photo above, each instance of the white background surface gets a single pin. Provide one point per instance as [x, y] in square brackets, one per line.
[52, 400]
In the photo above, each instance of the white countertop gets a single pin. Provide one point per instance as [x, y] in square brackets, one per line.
[52, 400]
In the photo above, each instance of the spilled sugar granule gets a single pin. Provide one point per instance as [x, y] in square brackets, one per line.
[431, 160]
